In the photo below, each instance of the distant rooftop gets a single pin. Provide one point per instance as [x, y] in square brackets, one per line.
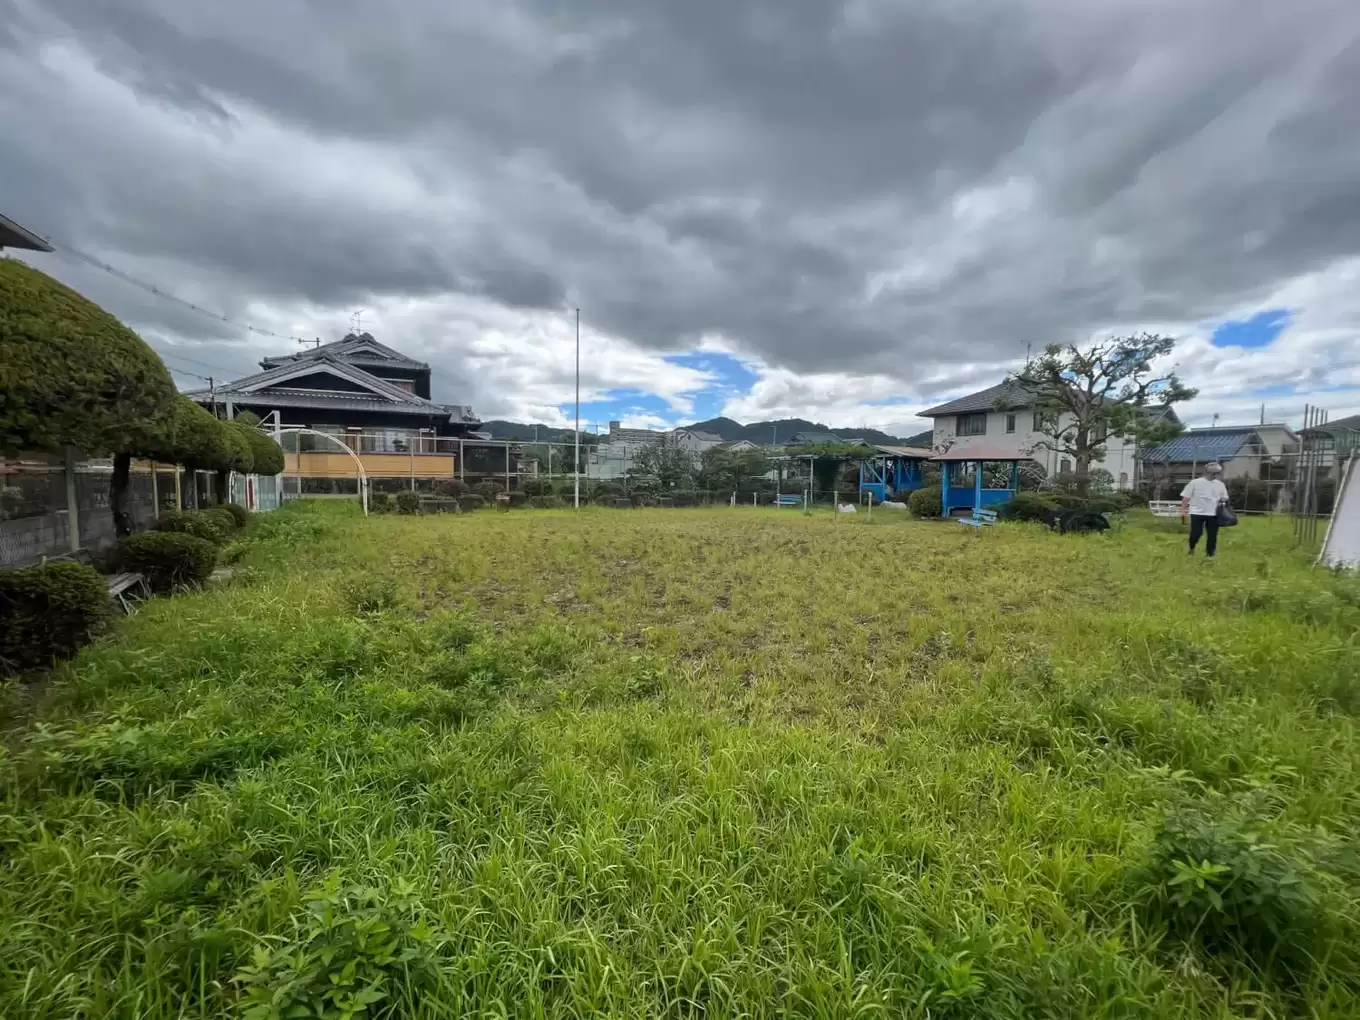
[1203, 445]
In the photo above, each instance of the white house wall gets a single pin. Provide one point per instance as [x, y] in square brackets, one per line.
[1120, 455]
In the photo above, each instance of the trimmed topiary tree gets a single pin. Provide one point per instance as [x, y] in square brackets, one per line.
[239, 513]
[48, 613]
[72, 374]
[167, 559]
[1028, 506]
[266, 456]
[408, 502]
[213, 524]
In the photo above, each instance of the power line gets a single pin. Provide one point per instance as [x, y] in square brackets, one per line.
[151, 288]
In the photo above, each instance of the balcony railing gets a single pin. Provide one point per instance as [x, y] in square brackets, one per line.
[371, 441]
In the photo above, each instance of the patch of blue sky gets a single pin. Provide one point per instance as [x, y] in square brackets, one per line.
[729, 377]
[1257, 331]
[620, 405]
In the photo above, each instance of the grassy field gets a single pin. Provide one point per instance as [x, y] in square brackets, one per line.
[707, 763]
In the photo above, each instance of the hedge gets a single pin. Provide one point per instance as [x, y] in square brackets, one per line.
[924, 502]
[48, 613]
[239, 513]
[167, 559]
[380, 502]
[214, 524]
[408, 502]
[72, 374]
[1028, 506]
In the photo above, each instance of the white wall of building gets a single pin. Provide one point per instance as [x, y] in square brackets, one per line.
[1013, 432]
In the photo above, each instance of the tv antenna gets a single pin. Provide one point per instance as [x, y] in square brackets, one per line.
[356, 322]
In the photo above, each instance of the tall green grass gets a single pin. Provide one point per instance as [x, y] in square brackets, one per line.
[698, 763]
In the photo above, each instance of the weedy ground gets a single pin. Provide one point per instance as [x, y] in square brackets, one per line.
[707, 763]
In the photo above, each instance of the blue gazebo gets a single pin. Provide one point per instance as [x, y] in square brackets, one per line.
[893, 470]
[954, 463]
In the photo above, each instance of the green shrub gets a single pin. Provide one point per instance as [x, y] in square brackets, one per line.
[451, 488]
[472, 501]
[488, 490]
[544, 502]
[408, 502]
[924, 502]
[48, 613]
[1221, 876]
[71, 374]
[1028, 506]
[203, 524]
[238, 513]
[533, 485]
[266, 456]
[353, 953]
[168, 559]
[380, 502]
[228, 521]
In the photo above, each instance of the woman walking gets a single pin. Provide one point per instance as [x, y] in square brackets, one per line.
[1200, 500]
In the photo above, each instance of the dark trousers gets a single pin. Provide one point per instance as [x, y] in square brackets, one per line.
[1206, 525]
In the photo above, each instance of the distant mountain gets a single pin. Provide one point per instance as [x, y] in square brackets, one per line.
[783, 431]
[762, 432]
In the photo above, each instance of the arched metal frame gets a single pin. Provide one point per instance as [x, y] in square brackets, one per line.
[363, 475]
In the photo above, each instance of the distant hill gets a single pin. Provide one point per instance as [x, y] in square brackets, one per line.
[762, 432]
[783, 430]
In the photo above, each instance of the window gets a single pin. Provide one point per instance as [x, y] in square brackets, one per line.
[1064, 467]
[971, 425]
[1123, 479]
[1010, 423]
[1038, 421]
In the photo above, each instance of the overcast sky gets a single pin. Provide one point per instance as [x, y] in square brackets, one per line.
[845, 211]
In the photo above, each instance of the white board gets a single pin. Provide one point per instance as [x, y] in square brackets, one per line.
[1341, 547]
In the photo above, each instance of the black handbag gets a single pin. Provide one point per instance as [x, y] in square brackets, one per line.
[1227, 516]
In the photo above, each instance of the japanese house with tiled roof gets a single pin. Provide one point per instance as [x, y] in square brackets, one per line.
[372, 399]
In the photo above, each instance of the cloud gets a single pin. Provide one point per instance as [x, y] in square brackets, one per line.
[877, 204]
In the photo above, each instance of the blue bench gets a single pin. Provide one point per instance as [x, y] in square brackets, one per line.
[782, 500]
[980, 518]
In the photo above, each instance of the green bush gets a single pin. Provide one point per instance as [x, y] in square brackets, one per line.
[924, 502]
[488, 490]
[266, 456]
[533, 485]
[472, 501]
[380, 502]
[226, 518]
[71, 374]
[168, 559]
[48, 613]
[1028, 506]
[205, 524]
[1222, 876]
[190, 435]
[451, 488]
[408, 502]
[544, 502]
[238, 513]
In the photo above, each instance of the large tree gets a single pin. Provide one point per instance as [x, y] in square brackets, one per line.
[723, 469]
[671, 466]
[1083, 396]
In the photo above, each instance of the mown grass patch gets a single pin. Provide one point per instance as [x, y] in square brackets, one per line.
[698, 763]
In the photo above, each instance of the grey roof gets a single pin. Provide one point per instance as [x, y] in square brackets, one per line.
[12, 235]
[269, 387]
[358, 349]
[1202, 445]
[805, 438]
[703, 437]
[1003, 394]
[1351, 423]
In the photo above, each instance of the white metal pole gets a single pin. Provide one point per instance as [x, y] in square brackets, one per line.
[576, 502]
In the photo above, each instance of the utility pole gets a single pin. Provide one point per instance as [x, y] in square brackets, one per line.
[576, 502]
[212, 395]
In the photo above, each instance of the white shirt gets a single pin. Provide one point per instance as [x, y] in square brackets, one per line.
[1204, 495]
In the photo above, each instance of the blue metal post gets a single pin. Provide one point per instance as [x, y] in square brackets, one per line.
[1015, 476]
[944, 489]
[977, 485]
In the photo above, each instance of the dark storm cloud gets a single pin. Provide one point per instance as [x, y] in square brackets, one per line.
[860, 186]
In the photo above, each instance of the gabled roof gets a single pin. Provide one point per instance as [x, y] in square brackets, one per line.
[1349, 424]
[993, 398]
[12, 235]
[703, 437]
[808, 438]
[271, 386]
[359, 349]
[1203, 445]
